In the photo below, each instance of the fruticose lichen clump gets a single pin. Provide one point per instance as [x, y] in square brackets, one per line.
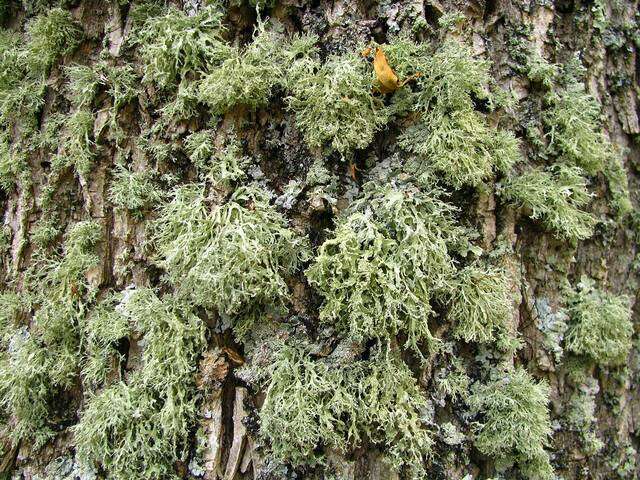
[140, 428]
[481, 304]
[388, 259]
[232, 258]
[312, 403]
[600, 326]
[514, 424]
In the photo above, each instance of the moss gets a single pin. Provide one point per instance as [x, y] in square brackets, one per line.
[133, 190]
[139, 429]
[601, 326]
[555, 196]
[174, 46]
[482, 304]
[334, 105]
[312, 404]
[388, 258]
[232, 258]
[51, 35]
[514, 423]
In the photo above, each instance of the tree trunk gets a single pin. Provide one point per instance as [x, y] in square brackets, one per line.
[305, 307]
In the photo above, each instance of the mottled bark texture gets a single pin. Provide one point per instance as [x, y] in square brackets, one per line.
[128, 354]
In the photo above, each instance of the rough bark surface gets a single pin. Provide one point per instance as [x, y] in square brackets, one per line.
[589, 401]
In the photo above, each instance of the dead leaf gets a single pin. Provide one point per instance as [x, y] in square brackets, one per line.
[385, 74]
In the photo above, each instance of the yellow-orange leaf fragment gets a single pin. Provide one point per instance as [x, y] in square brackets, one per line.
[385, 74]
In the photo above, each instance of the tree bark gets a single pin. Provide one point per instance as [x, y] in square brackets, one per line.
[603, 34]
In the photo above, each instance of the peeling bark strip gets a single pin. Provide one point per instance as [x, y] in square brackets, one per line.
[214, 430]
[347, 239]
[239, 434]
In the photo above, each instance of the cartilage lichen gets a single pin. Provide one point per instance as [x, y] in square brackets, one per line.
[600, 324]
[514, 425]
[140, 428]
[312, 404]
[232, 258]
[482, 303]
[555, 196]
[387, 260]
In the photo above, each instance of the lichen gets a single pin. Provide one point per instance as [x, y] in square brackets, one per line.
[311, 403]
[387, 260]
[222, 166]
[514, 424]
[134, 190]
[451, 136]
[42, 362]
[140, 428]
[333, 103]
[174, 46]
[600, 326]
[553, 195]
[574, 133]
[51, 35]
[232, 258]
[246, 77]
[482, 303]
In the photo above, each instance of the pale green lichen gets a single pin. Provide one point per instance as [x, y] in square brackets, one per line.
[12, 164]
[514, 424]
[574, 132]
[232, 258]
[105, 325]
[482, 303]
[461, 146]
[222, 166]
[451, 136]
[312, 404]
[50, 36]
[134, 190]
[120, 82]
[581, 416]
[553, 195]
[174, 46]
[387, 260]
[333, 103]
[77, 144]
[139, 429]
[42, 362]
[601, 326]
[247, 77]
